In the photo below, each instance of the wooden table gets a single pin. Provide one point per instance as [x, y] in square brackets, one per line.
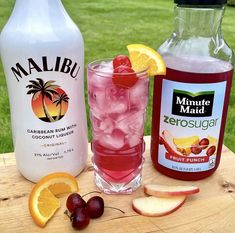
[210, 211]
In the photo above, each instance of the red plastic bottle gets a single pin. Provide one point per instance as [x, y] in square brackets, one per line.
[190, 103]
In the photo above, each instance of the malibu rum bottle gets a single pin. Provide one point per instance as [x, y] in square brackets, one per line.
[42, 53]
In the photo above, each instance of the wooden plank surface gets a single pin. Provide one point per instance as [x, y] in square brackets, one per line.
[211, 211]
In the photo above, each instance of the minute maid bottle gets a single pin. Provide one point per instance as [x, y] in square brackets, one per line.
[43, 57]
[190, 103]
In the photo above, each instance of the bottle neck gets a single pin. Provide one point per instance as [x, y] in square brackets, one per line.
[39, 15]
[198, 22]
[37, 8]
[37, 4]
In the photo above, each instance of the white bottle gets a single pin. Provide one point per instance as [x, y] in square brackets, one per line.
[42, 53]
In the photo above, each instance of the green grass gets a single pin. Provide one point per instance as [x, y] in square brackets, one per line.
[107, 27]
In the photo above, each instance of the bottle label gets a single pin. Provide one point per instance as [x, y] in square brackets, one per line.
[48, 97]
[190, 122]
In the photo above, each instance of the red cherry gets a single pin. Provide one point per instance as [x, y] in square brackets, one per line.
[124, 77]
[95, 207]
[121, 60]
[75, 201]
[80, 218]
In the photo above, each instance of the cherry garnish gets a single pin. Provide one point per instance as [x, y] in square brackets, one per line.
[81, 212]
[124, 77]
[80, 218]
[75, 201]
[95, 207]
[121, 60]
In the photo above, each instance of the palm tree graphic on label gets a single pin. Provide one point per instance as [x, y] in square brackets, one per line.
[59, 99]
[49, 101]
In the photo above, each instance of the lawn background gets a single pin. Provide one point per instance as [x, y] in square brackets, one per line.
[107, 27]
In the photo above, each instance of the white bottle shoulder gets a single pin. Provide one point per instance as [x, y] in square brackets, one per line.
[52, 28]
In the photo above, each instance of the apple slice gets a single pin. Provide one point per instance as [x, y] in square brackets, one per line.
[156, 207]
[168, 191]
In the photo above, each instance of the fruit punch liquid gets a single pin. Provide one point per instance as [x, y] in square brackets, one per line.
[190, 103]
[118, 166]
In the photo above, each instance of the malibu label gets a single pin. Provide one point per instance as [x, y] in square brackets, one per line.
[63, 65]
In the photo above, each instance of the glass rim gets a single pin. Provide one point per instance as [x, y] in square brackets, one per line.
[98, 61]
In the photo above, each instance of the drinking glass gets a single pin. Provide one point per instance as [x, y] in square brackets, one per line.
[117, 115]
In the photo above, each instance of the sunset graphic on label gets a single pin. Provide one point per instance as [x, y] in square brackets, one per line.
[49, 101]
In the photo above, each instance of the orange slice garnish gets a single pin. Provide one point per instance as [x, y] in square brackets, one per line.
[143, 57]
[43, 202]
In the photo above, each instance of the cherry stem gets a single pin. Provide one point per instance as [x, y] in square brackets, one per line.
[67, 214]
[91, 193]
[114, 209]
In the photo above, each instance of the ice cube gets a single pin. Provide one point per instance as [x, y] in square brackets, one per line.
[99, 114]
[116, 140]
[117, 107]
[137, 126]
[95, 121]
[100, 99]
[133, 139]
[117, 99]
[101, 75]
[123, 122]
[95, 135]
[104, 71]
[96, 99]
[139, 94]
[101, 123]
[101, 80]
[107, 125]
[106, 67]
[131, 123]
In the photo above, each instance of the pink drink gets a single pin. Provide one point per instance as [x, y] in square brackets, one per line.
[117, 115]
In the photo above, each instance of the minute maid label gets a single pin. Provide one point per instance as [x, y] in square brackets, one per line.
[192, 104]
[191, 114]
